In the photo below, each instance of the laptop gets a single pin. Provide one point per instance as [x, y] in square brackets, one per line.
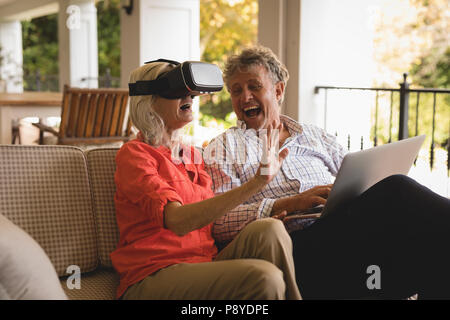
[361, 170]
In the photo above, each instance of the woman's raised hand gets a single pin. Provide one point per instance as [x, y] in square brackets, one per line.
[271, 159]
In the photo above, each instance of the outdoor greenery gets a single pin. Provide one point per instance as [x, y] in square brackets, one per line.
[40, 52]
[40, 46]
[413, 36]
[225, 27]
[108, 31]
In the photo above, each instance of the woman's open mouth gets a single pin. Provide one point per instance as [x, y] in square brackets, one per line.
[251, 112]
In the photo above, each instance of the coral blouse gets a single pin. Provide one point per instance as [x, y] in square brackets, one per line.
[147, 178]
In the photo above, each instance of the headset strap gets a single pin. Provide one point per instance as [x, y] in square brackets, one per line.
[164, 60]
[148, 87]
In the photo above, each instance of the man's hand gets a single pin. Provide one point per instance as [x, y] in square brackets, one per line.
[271, 159]
[312, 197]
[303, 201]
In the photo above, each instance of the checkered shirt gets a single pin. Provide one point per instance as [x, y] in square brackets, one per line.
[233, 158]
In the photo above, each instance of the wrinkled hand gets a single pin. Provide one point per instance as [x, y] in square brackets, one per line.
[312, 197]
[271, 160]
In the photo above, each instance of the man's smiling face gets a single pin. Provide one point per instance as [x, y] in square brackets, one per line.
[255, 98]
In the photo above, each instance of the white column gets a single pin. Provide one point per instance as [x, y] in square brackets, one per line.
[159, 29]
[78, 51]
[11, 45]
[156, 29]
[279, 29]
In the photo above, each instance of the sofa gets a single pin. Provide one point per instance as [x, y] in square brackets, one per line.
[57, 216]
[57, 222]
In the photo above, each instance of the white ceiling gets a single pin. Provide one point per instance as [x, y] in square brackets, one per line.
[3, 2]
[26, 9]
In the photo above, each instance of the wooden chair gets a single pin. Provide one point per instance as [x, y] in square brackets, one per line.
[90, 116]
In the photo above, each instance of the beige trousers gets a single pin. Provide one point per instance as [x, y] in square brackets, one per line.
[257, 264]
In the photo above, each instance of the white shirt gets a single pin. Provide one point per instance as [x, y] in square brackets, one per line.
[233, 158]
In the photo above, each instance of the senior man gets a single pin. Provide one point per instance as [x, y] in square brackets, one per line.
[391, 242]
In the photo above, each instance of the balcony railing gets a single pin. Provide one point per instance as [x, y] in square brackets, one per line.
[409, 101]
[105, 81]
[39, 82]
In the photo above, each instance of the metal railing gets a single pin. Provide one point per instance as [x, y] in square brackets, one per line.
[105, 81]
[404, 106]
[39, 82]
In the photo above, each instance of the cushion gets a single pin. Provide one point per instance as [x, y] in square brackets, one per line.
[101, 167]
[26, 272]
[45, 191]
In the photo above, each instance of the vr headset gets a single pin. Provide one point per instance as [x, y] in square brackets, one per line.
[187, 78]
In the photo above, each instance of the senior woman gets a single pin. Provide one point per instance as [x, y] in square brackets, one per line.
[165, 209]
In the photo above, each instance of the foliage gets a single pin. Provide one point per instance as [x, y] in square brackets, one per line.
[413, 36]
[40, 45]
[408, 32]
[424, 117]
[108, 28]
[40, 49]
[224, 123]
[432, 70]
[225, 27]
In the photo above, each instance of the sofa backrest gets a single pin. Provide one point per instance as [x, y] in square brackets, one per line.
[45, 190]
[101, 167]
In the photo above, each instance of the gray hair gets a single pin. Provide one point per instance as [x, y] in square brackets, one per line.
[253, 56]
[142, 114]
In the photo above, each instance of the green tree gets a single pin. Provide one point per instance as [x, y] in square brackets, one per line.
[40, 46]
[413, 36]
[40, 51]
[225, 27]
[432, 70]
[108, 29]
